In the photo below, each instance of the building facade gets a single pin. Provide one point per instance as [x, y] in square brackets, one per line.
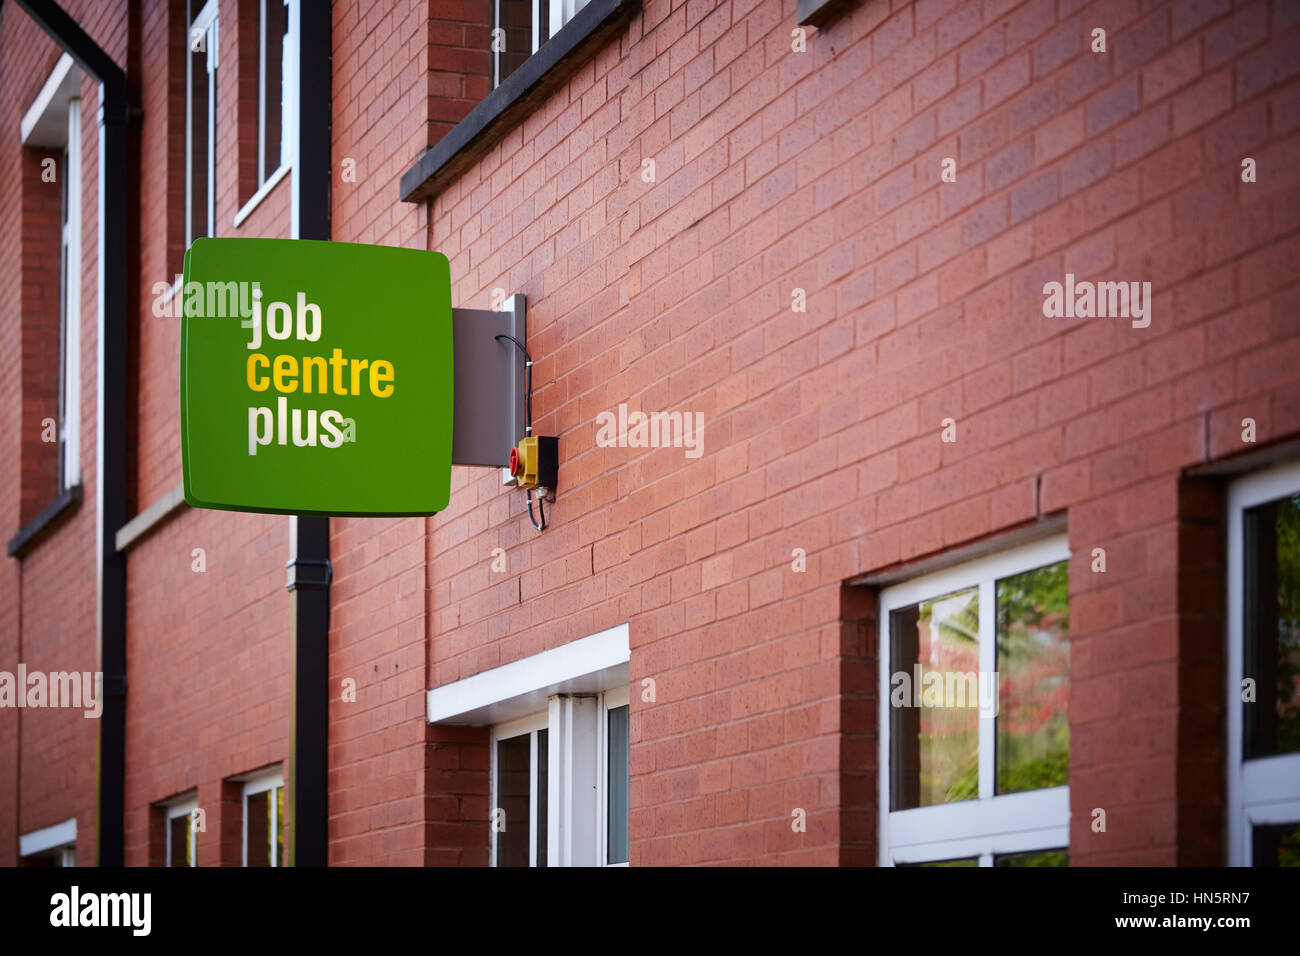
[926, 375]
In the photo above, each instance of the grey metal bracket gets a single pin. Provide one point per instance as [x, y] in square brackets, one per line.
[488, 386]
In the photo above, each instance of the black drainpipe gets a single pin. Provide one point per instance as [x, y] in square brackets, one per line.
[309, 571]
[115, 114]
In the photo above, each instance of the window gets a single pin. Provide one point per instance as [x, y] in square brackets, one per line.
[975, 742]
[52, 127]
[562, 799]
[1263, 703]
[273, 53]
[51, 846]
[521, 756]
[181, 847]
[558, 750]
[200, 123]
[266, 81]
[520, 27]
[264, 820]
[70, 306]
[617, 783]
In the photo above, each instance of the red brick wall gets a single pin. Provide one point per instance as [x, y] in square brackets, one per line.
[162, 247]
[775, 171]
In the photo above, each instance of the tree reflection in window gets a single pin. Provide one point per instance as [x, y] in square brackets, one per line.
[1033, 654]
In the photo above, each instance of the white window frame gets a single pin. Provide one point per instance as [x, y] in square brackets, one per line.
[529, 725]
[260, 783]
[207, 21]
[59, 839]
[558, 13]
[561, 12]
[991, 825]
[181, 807]
[1264, 790]
[289, 118]
[610, 700]
[560, 754]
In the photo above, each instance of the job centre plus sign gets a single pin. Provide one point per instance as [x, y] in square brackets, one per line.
[316, 377]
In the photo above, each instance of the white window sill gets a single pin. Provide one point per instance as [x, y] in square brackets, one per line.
[261, 194]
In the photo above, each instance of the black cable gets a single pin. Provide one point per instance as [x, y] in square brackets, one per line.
[528, 390]
[541, 511]
[528, 428]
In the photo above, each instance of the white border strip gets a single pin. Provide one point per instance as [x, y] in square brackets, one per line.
[570, 661]
[45, 98]
[38, 841]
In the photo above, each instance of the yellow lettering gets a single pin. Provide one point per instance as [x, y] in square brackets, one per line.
[257, 358]
[381, 373]
[322, 377]
[358, 366]
[285, 366]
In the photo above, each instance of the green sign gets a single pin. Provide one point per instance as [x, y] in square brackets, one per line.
[316, 377]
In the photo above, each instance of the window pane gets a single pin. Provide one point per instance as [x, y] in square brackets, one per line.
[1277, 845]
[1271, 722]
[618, 784]
[512, 797]
[180, 840]
[1033, 737]
[543, 763]
[276, 27]
[1034, 858]
[966, 861]
[934, 748]
[516, 39]
[259, 828]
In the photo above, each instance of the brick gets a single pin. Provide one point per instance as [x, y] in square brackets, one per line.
[1061, 45]
[1203, 102]
[1171, 72]
[1225, 41]
[1195, 14]
[1137, 46]
[1057, 137]
[1007, 166]
[1113, 105]
[979, 55]
[1266, 68]
[1034, 196]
